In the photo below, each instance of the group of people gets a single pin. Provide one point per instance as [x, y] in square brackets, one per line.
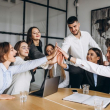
[87, 64]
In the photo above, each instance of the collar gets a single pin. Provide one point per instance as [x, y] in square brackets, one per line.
[3, 67]
[76, 37]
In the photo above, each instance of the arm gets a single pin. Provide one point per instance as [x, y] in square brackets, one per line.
[66, 45]
[89, 66]
[65, 83]
[27, 66]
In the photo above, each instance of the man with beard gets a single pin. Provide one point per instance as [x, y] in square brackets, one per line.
[77, 44]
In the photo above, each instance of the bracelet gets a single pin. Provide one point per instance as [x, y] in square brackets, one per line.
[69, 57]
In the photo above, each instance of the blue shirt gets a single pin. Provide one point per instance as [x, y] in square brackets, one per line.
[6, 75]
[95, 79]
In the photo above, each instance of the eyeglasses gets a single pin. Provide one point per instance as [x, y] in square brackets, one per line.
[24, 48]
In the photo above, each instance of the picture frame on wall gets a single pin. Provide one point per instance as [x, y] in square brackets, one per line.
[100, 26]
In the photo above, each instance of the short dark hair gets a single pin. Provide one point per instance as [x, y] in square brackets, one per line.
[72, 19]
[99, 54]
[4, 49]
[47, 46]
[107, 42]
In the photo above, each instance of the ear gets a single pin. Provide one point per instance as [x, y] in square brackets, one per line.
[79, 24]
[98, 58]
[5, 57]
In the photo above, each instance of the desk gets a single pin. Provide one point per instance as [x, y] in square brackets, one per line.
[52, 102]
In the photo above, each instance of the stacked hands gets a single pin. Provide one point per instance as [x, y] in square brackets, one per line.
[58, 56]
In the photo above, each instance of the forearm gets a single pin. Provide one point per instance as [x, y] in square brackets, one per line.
[27, 66]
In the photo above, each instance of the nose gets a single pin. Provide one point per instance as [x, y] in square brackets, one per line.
[107, 54]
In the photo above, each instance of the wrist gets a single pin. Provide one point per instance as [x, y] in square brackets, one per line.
[64, 66]
[69, 57]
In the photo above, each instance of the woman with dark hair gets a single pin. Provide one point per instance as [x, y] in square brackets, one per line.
[57, 70]
[20, 82]
[35, 44]
[96, 82]
[7, 55]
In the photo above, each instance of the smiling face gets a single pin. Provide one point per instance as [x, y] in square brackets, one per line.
[108, 54]
[49, 50]
[10, 56]
[23, 50]
[74, 28]
[36, 35]
[92, 56]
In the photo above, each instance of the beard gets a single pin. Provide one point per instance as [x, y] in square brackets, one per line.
[76, 33]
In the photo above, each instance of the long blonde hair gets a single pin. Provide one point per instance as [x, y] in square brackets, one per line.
[62, 73]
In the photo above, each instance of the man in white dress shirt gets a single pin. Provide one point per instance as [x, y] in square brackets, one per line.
[77, 44]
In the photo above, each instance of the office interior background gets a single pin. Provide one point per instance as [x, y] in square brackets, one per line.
[17, 16]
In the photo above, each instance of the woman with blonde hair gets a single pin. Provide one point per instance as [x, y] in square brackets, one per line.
[57, 70]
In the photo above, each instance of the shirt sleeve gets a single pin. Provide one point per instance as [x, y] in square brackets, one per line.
[66, 45]
[92, 43]
[94, 68]
[27, 66]
[65, 83]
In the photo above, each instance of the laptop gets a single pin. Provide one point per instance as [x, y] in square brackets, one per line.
[50, 87]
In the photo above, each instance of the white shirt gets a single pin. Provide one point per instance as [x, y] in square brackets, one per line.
[57, 72]
[21, 81]
[6, 75]
[94, 68]
[78, 48]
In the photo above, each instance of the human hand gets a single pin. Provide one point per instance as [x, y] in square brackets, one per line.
[54, 60]
[66, 56]
[106, 63]
[34, 69]
[60, 61]
[6, 97]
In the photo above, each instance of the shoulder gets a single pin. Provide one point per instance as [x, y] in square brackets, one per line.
[19, 60]
[85, 33]
[70, 36]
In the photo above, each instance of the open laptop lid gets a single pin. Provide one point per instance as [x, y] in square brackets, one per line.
[51, 86]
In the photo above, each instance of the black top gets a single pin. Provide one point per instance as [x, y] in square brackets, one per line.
[35, 52]
[39, 48]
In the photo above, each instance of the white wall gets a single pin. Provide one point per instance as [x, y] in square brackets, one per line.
[84, 12]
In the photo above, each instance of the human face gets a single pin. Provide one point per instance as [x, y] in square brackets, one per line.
[92, 56]
[11, 55]
[49, 50]
[74, 28]
[108, 54]
[36, 35]
[23, 50]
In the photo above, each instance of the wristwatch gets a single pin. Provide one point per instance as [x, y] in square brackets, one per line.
[69, 57]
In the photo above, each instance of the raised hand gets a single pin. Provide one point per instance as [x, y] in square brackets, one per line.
[60, 61]
[6, 97]
[54, 60]
[66, 56]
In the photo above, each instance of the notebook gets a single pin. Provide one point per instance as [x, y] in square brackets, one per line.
[86, 99]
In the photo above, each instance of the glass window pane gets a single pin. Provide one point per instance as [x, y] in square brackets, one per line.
[56, 23]
[40, 1]
[11, 17]
[13, 39]
[53, 41]
[36, 16]
[58, 4]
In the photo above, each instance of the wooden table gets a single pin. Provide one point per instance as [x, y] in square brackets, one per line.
[52, 102]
